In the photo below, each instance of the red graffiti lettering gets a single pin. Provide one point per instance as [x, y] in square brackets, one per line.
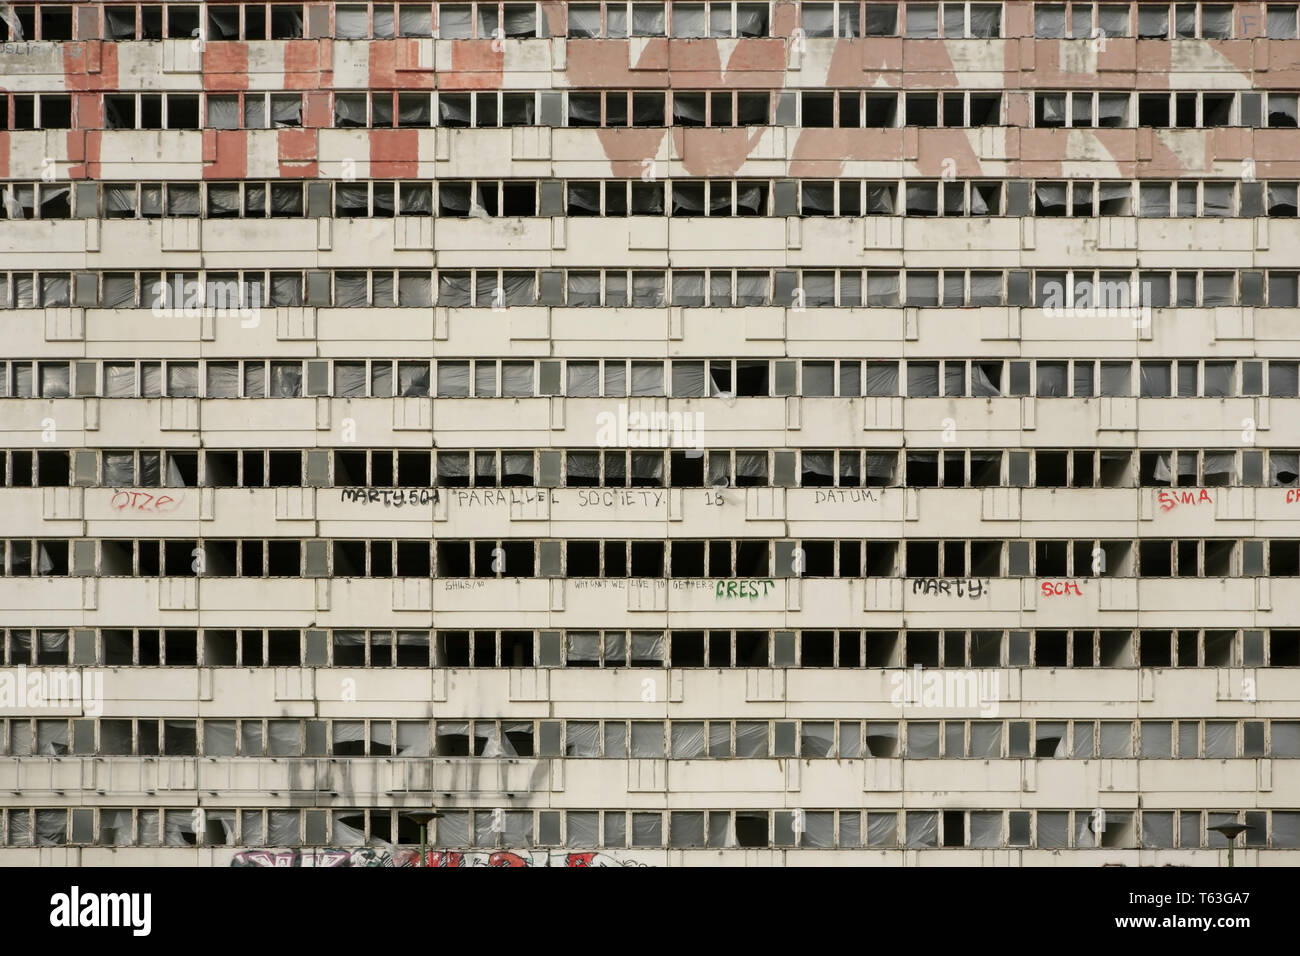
[1169, 500]
[1060, 588]
[144, 502]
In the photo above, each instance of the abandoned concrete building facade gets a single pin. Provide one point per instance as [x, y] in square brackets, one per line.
[649, 433]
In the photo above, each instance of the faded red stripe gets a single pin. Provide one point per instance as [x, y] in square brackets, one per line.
[394, 152]
[225, 66]
[225, 153]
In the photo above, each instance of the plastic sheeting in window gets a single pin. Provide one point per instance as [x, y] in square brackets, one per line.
[182, 379]
[985, 828]
[54, 380]
[350, 22]
[286, 198]
[882, 829]
[453, 379]
[688, 739]
[1217, 199]
[819, 289]
[182, 200]
[1217, 289]
[648, 290]
[820, 463]
[516, 379]
[284, 738]
[922, 199]
[414, 290]
[454, 111]
[922, 829]
[817, 740]
[350, 290]
[381, 737]
[24, 293]
[283, 828]
[688, 379]
[583, 465]
[1220, 739]
[349, 379]
[751, 738]
[583, 380]
[647, 378]
[223, 200]
[453, 289]
[582, 738]
[116, 828]
[882, 289]
[412, 735]
[688, 289]
[985, 740]
[347, 829]
[416, 199]
[20, 740]
[414, 20]
[647, 19]
[223, 380]
[985, 20]
[752, 288]
[52, 738]
[490, 742]
[615, 736]
[119, 200]
[1052, 380]
[1050, 198]
[218, 738]
[51, 827]
[286, 110]
[1216, 22]
[119, 469]
[648, 646]
[520, 288]
[351, 199]
[286, 380]
[55, 290]
[881, 379]
[286, 289]
[1163, 470]
[414, 379]
[922, 379]
[1286, 829]
[750, 199]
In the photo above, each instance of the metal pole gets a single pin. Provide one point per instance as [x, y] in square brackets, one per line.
[424, 827]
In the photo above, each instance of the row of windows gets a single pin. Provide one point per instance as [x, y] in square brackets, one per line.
[147, 647]
[1059, 291]
[1181, 109]
[718, 558]
[685, 829]
[1162, 21]
[657, 739]
[807, 198]
[678, 378]
[716, 19]
[412, 472]
[810, 109]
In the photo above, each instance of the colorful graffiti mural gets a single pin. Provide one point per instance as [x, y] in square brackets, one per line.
[370, 856]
